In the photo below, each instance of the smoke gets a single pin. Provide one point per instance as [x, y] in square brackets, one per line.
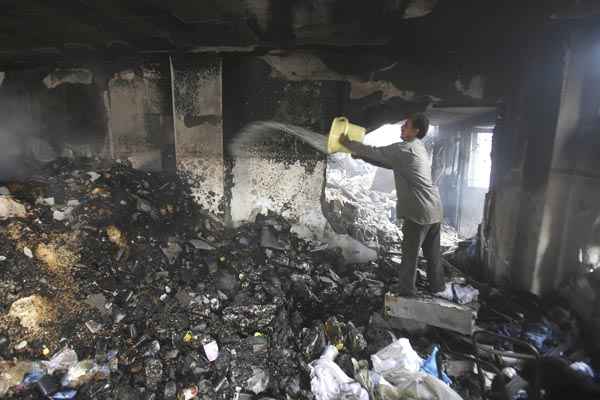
[19, 131]
[15, 160]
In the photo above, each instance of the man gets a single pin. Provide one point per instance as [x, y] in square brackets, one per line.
[419, 203]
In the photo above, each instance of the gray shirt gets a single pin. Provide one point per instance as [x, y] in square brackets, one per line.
[418, 198]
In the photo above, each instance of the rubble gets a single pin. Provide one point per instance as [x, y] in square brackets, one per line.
[31, 311]
[367, 214]
[138, 271]
[146, 296]
[10, 208]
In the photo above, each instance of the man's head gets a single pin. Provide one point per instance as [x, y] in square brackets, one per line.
[415, 126]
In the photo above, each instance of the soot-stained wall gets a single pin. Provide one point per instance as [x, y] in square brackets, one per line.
[282, 174]
[47, 112]
[140, 110]
[197, 100]
[541, 227]
[516, 226]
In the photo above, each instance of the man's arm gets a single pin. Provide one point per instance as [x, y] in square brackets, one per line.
[379, 156]
[372, 162]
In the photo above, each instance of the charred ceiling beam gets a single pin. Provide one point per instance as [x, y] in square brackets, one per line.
[122, 24]
[577, 9]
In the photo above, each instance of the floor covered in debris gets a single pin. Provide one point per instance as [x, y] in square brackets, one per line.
[115, 285]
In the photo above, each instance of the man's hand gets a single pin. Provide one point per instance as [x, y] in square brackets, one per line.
[344, 140]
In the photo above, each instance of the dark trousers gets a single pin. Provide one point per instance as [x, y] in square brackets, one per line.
[426, 237]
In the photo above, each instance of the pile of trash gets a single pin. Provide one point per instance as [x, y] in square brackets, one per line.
[114, 284]
[366, 214]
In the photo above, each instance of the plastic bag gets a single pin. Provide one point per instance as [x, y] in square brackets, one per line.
[415, 385]
[459, 293]
[399, 384]
[583, 368]
[430, 366]
[83, 372]
[65, 395]
[13, 374]
[399, 354]
[373, 382]
[61, 361]
[211, 350]
[258, 382]
[329, 382]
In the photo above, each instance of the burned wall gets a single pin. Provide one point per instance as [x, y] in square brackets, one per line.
[516, 229]
[72, 113]
[16, 125]
[47, 112]
[575, 182]
[542, 212]
[198, 111]
[140, 108]
[282, 174]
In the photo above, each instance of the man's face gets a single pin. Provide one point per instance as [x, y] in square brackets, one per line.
[408, 132]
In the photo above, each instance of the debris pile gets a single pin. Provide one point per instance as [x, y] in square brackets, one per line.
[115, 285]
[368, 215]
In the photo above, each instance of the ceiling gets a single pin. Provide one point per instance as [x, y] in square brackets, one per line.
[34, 32]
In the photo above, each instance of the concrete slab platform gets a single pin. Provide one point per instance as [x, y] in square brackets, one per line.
[432, 311]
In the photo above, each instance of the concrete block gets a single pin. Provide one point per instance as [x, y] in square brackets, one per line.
[432, 311]
[406, 325]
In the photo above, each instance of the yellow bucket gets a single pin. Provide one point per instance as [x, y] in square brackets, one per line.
[341, 126]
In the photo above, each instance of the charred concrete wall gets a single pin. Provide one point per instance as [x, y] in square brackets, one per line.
[283, 174]
[140, 115]
[166, 113]
[542, 216]
[521, 158]
[46, 112]
[198, 111]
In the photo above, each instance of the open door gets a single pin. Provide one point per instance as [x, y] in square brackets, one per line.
[475, 179]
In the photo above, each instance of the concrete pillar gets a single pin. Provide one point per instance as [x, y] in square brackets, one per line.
[198, 121]
[516, 224]
[576, 163]
[538, 129]
[545, 196]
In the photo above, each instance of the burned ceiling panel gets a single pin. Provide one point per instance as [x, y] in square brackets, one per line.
[33, 32]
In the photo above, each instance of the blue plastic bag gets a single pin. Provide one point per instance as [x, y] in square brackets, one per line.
[32, 377]
[430, 366]
[65, 395]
